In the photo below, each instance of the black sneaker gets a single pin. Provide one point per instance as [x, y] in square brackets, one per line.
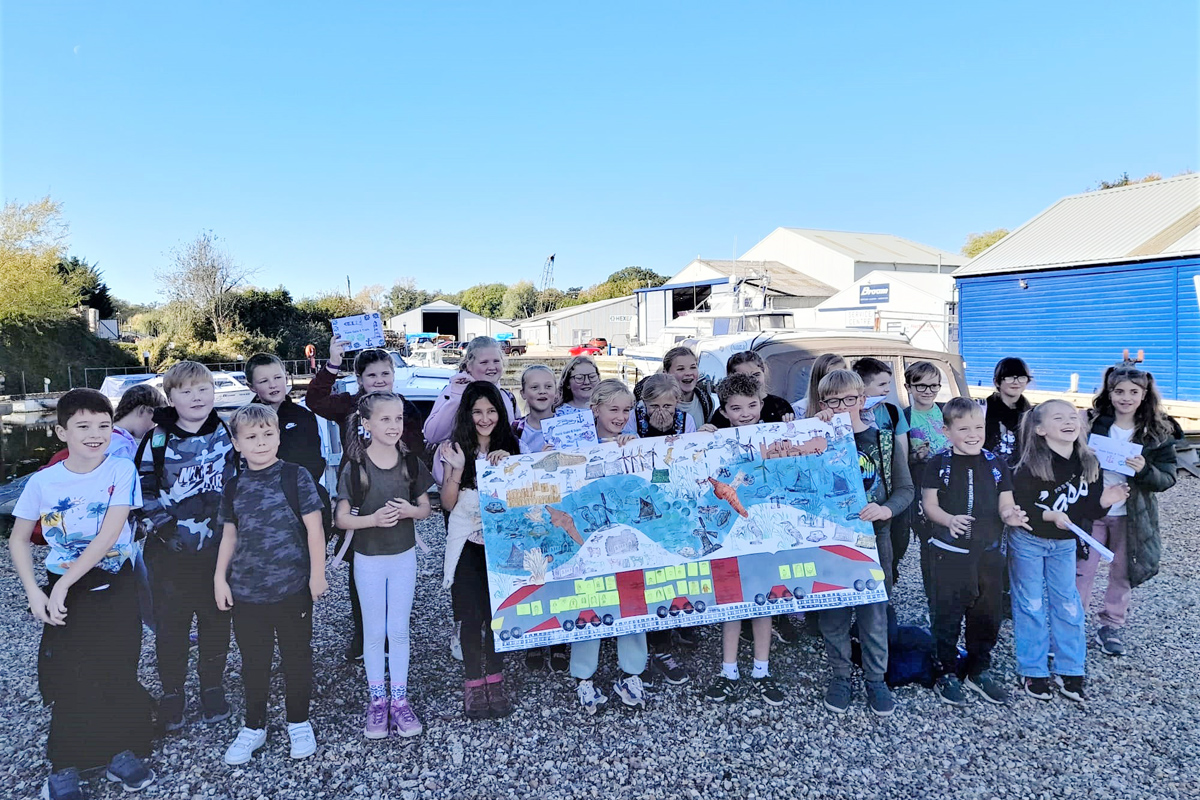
[129, 771]
[63, 785]
[879, 699]
[723, 690]
[535, 660]
[1038, 688]
[1071, 687]
[784, 630]
[170, 711]
[664, 664]
[837, 695]
[213, 706]
[988, 688]
[1110, 642]
[560, 658]
[769, 690]
[686, 637]
[950, 690]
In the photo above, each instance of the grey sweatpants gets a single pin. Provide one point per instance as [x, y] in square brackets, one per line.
[872, 624]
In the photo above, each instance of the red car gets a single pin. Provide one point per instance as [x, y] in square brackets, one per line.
[595, 347]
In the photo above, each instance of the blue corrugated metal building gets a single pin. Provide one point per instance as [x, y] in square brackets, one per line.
[1092, 276]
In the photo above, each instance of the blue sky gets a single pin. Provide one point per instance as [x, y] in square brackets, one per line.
[465, 142]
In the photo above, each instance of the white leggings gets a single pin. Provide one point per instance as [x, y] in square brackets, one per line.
[385, 590]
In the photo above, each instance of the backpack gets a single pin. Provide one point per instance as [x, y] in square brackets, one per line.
[290, 480]
[360, 484]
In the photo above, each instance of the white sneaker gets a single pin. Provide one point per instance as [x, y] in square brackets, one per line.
[456, 642]
[248, 740]
[304, 741]
[590, 697]
[631, 691]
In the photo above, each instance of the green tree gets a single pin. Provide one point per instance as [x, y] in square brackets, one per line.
[405, 296]
[520, 301]
[330, 305]
[89, 281]
[203, 275]
[32, 291]
[484, 299]
[622, 283]
[126, 310]
[978, 242]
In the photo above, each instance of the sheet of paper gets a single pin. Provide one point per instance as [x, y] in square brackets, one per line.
[1090, 541]
[570, 431]
[361, 331]
[1113, 452]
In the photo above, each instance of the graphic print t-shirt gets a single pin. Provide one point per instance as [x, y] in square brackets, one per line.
[927, 434]
[71, 508]
[870, 461]
[271, 559]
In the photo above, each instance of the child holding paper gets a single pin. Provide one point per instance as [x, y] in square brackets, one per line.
[1057, 483]
[742, 404]
[611, 403]
[1129, 409]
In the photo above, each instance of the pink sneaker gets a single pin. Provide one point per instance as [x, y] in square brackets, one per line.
[377, 719]
[402, 720]
[475, 699]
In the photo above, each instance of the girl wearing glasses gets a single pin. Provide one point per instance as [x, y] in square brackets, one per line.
[579, 381]
[1005, 407]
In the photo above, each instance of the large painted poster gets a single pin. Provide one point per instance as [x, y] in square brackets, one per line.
[676, 531]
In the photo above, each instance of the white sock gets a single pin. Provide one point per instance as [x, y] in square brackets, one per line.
[730, 671]
[760, 669]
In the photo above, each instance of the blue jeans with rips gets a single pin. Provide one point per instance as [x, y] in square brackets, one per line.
[1041, 569]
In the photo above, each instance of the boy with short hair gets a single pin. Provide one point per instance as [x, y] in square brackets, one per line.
[134, 417]
[927, 438]
[889, 491]
[877, 382]
[741, 402]
[185, 461]
[299, 436]
[967, 495]
[270, 569]
[92, 639]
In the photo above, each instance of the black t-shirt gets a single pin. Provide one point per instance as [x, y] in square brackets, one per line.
[969, 485]
[773, 409]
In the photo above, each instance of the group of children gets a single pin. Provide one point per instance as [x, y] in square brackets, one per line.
[168, 515]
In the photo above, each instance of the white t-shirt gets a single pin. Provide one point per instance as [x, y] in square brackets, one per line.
[1116, 478]
[71, 508]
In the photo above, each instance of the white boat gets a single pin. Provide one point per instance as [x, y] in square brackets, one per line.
[230, 393]
[686, 330]
[115, 385]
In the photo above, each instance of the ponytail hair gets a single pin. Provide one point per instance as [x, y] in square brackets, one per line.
[1036, 455]
[1151, 424]
[357, 439]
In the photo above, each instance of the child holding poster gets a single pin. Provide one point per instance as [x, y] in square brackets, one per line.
[1129, 409]
[611, 404]
[889, 491]
[481, 430]
[741, 404]
[1057, 483]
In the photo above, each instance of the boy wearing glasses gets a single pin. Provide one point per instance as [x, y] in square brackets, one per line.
[1004, 409]
[889, 491]
[927, 438]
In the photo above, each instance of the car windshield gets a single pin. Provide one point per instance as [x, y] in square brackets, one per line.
[397, 359]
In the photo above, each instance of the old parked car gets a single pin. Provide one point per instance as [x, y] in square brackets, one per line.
[513, 347]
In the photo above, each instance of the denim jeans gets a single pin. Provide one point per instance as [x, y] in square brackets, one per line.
[631, 655]
[1039, 568]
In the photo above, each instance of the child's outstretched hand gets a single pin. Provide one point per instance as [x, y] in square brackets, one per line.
[223, 594]
[317, 585]
[873, 512]
[621, 439]
[1016, 517]
[38, 602]
[496, 456]
[337, 349]
[1136, 463]
[787, 418]
[452, 455]
[825, 415]
[960, 525]
[707, 428]
[1114, 494]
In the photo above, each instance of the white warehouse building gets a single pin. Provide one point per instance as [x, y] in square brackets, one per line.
[609, 319]
[447, 319]
[919, 305]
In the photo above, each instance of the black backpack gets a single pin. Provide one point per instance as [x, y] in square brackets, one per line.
[290, 478]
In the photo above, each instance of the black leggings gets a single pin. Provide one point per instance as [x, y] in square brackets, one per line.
[470, 597]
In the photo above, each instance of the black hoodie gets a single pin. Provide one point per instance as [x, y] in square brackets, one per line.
[1002, 428]
[1068, 492]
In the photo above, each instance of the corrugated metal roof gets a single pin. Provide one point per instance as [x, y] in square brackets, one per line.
[780, 278]
[1130, 223]
[881, 248]
[570, 311]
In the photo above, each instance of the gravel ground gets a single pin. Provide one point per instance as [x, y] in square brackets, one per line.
[1138, 737]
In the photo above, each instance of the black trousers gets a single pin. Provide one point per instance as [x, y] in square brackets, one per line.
[970, 586]
[88, 669]
[257, 626]
[470, 596]
[182, 586]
